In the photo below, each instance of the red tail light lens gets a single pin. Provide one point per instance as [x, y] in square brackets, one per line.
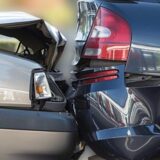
[109, 39]
[100, 76]
[90, 81]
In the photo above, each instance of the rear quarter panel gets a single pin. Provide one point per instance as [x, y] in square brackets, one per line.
[15, 80]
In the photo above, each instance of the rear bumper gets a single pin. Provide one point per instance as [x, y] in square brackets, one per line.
[36, 135]
[136, 143]
[130, 132]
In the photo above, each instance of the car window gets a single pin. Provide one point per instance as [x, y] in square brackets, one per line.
[8, 43]
[13, 45]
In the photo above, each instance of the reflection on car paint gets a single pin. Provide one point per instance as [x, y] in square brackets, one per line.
[130, 114]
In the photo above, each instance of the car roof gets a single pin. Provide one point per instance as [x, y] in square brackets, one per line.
[16, 17]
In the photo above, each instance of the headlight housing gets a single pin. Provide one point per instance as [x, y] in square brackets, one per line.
[41, 86]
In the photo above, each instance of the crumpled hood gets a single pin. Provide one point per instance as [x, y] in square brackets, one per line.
[33, 32]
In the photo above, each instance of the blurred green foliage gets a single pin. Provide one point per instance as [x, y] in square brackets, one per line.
[59, 12]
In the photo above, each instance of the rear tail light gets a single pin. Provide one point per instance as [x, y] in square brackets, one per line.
[100, 76]
[90, 81]
[109, 39]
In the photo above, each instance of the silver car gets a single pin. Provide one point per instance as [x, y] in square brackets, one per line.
[34, 123]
